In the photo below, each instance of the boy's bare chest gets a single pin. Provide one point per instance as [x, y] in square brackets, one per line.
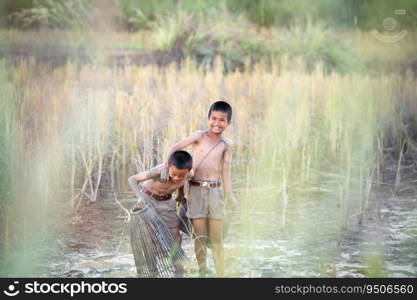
[165, 187]
[208, 152]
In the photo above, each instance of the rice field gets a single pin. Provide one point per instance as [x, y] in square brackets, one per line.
[74, 134]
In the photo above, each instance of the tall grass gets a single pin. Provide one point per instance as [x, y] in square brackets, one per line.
[178, 30]
[10, 169]
[136, 15]
[321, 134]
[316, 44]
[267, 13]
[57, 14]
[25, 173]
[83, 130]
[236, 41]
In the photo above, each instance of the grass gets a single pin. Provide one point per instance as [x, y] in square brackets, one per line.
[270, 13]
[204, 37]
[85, 129]
[380, 57]
[315, 111]
[9, 164]
[233, 40]
[54, 14]
[23, 206]
[212, 30]
[235, 31]
[315, 44]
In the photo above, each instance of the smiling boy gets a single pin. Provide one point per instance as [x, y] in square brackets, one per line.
[157, 192]
[208, 195]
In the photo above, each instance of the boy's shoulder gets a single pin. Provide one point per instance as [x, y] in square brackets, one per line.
[157, 173]
[197, 135]
[162, 176]
[228, 142]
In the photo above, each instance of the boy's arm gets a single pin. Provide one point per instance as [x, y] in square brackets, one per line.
[183, 190]
[180, 196]
[143, 176]
[226, 173]
[192, 138]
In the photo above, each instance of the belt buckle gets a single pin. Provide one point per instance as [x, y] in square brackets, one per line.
[205, 184]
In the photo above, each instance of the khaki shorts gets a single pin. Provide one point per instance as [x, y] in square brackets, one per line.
[205, 203]
[167, 209]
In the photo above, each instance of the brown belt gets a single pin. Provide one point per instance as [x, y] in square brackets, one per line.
[156, 196]
[205, 184]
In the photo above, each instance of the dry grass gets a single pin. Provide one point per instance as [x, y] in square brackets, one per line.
[86, 129]
[287, 124]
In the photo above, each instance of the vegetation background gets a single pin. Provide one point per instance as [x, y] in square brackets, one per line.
[324, 97]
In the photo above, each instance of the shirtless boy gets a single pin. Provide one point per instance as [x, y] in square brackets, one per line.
[207, 195]
[158, 192]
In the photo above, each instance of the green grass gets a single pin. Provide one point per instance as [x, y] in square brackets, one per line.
[137, 15]
[25, 190]
[316, 44]
[237, 42]
[240, 33]
[54, 14]
[140, 15]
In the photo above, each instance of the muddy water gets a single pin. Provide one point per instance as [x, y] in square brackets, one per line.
[381, 242]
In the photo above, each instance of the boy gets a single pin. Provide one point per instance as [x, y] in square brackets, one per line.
[207, 196]
[157, 192]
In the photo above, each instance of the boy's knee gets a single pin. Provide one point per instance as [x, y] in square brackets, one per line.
[216, 239]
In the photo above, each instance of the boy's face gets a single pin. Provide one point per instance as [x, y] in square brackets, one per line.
[217, 122]
[177, 175]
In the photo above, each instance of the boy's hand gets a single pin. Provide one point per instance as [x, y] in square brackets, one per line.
[181, 199]
[231, 202]
[141, 204]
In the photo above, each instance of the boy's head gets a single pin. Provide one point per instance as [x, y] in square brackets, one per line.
[179, 165]
[219, 116]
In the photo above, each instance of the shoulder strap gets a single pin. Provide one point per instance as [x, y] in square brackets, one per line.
[201, 161]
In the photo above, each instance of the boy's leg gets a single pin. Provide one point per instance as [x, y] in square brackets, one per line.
[216, 237]
[200, 244]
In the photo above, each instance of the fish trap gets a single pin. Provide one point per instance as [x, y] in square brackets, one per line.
[155, 249]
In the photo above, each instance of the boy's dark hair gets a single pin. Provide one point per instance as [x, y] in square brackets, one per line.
[223, 107]
[181, 160]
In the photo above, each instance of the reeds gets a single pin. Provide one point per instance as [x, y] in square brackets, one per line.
[85, 129]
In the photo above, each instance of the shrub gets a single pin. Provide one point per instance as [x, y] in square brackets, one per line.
[140, 14]
[55, 14]
[205, 37]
